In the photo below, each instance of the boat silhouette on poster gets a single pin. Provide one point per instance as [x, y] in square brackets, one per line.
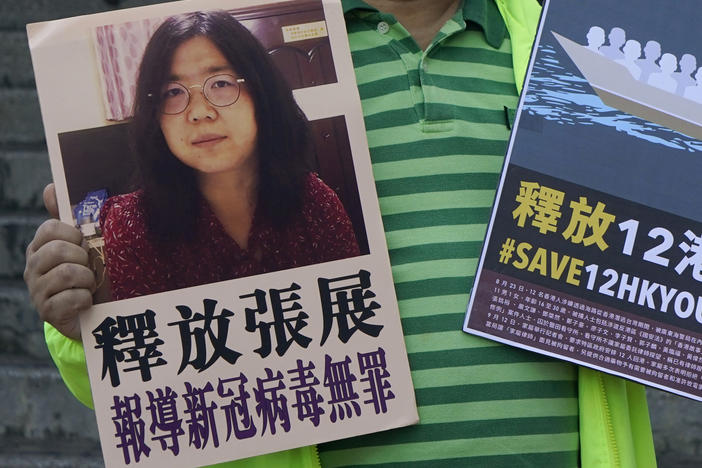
[618, 88]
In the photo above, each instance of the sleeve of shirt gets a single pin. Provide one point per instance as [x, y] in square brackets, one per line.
[615, 428]
[329, 223]
[69, 358]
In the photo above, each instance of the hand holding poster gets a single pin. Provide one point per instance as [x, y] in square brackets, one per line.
[252, 307]
[593, 253]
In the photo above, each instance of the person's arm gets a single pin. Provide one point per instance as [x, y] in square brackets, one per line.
[61, 286]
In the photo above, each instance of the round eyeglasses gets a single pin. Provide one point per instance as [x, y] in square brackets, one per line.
[219, 90]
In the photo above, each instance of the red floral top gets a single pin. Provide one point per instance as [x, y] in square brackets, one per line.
[136, 266]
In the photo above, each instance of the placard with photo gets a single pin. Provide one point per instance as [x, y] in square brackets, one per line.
[213, 154]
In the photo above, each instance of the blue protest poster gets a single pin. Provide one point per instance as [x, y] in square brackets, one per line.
[212, 346]
[594, 250]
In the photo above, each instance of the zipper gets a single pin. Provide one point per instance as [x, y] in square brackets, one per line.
[611, 439]
[316, 456]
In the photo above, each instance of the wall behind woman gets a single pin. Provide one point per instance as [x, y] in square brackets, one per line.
[41, 424]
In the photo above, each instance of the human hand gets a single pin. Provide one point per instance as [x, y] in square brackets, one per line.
[60, 283]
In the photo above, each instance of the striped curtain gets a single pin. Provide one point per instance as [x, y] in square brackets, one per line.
[119, 50]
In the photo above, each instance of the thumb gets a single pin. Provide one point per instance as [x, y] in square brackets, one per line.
[50, 200]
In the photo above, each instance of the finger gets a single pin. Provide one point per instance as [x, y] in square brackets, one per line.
[50, 202]
[68, 276]
[53, 229]
[53, 254]
[62, 310]
[61, 281]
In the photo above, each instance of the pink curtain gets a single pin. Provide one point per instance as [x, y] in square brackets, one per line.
[119, 51]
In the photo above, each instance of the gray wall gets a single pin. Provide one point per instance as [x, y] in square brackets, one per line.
[41, 424]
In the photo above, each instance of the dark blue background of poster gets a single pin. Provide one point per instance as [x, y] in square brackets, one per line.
[603, 157]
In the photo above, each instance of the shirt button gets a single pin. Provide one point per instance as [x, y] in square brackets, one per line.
[383, 27]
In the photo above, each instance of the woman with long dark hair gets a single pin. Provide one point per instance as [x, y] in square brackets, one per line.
[221, 147]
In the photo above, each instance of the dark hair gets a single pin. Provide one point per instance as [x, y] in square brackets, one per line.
[171, 196]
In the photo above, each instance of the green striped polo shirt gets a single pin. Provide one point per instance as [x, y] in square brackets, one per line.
[437, 132]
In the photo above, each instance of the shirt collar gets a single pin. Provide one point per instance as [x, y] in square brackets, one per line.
[481, 12]
[349, 5]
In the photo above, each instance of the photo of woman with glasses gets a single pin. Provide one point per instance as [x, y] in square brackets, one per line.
[220, 145]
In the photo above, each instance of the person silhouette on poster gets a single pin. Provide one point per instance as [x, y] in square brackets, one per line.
[648, 65]
[664, 79]
[688, 64]
[595, 38]
[632, 51]
[694, 93]
[617, 37]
